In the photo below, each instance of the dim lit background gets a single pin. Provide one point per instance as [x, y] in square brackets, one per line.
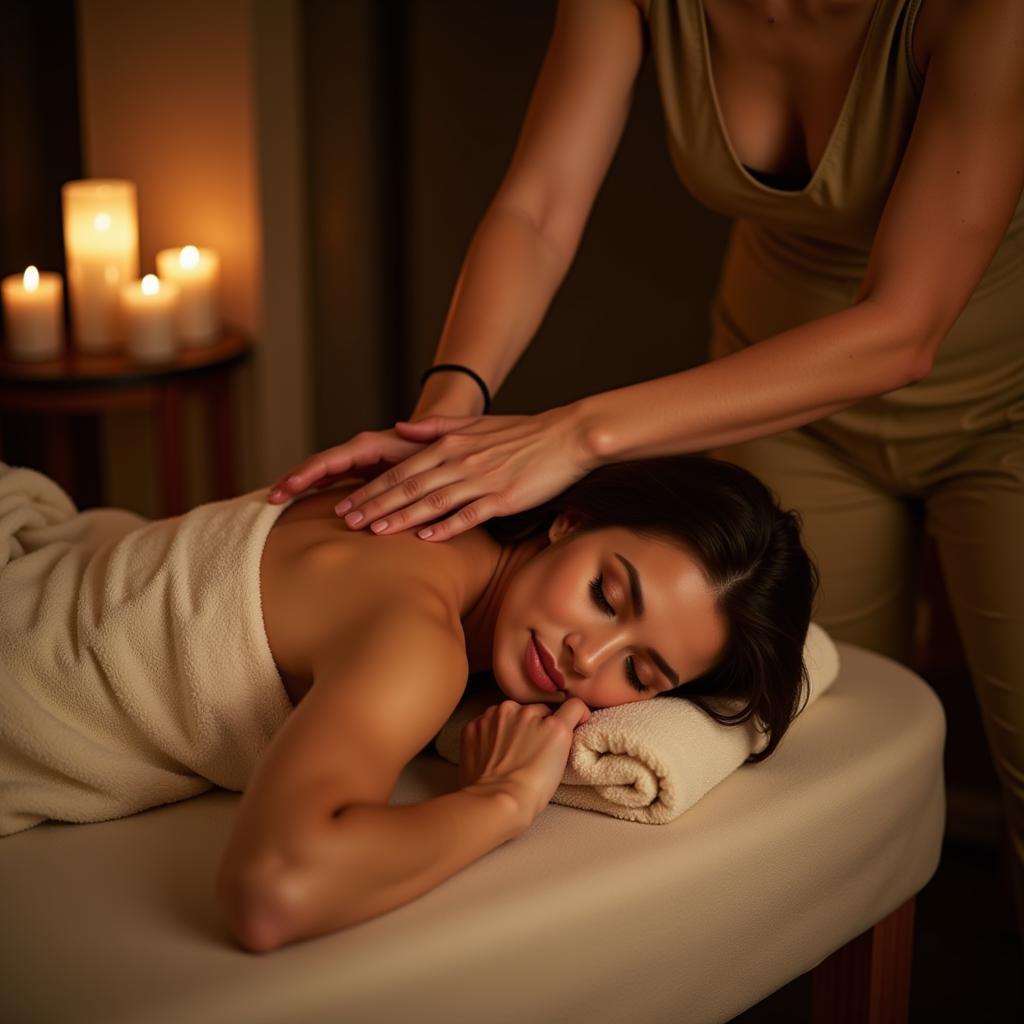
[340, 154]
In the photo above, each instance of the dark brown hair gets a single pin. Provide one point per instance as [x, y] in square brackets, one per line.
[751, 553]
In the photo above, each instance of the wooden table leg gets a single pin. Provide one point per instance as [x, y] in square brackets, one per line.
[220, 424]
[867, 981]
[169, 443]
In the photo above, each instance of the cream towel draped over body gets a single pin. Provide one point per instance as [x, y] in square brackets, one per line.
[134, 666]
[135, 671]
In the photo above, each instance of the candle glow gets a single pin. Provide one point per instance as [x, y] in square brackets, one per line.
[196, 272]
[101, 239]
[34, 313]
[148, 311]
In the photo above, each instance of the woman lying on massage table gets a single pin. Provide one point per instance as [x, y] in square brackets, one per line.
[681, 554]
[678, 576]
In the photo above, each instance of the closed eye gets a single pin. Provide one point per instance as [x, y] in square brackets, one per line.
[600, 600]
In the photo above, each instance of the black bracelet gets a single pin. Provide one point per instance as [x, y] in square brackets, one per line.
[462, 369]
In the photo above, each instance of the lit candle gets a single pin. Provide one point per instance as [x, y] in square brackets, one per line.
[101, 242]
[148, 310]
[33, 313]
[196, 272]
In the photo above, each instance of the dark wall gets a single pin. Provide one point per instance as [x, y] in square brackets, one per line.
[40, 146]
[353, 59]
[40, 149]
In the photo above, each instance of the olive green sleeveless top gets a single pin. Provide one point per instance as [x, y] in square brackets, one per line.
[799, 250]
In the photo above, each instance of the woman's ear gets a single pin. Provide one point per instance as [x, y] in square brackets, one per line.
[564, 524]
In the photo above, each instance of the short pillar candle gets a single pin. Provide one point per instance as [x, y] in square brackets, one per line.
[196, 272]
[148, 310]
[34, 315]
[101, 243]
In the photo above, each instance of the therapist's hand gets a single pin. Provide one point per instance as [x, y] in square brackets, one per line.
[365, 455]
[475, 468]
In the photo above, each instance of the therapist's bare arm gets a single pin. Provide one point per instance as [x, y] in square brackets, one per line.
[523, 247]
[949, 209]
[526, 242]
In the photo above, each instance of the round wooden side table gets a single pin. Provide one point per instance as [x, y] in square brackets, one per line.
[77, 385]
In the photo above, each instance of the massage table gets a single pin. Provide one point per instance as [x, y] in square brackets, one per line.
[808, 862]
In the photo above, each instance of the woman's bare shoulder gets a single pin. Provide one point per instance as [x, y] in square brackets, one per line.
[934, 18]
[318, 577]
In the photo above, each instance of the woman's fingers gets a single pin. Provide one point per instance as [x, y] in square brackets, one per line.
[466, 518]
[573, 712]
[401, 485]
[430, 428]
[490, 466]
[298, 479]
[366, 450]
[442, 490]
[332, 478]
[420, 476]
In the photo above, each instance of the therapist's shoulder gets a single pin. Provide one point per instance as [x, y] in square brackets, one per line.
[952, 25]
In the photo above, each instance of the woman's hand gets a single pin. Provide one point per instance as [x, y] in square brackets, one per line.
[477, 467]
[521, 749]
[365, 455]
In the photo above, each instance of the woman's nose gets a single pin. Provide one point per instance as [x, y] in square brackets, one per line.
[589, 650]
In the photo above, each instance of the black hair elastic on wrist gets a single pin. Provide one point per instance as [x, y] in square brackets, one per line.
[461, 369]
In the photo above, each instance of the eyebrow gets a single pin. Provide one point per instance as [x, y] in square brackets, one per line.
[636, 594]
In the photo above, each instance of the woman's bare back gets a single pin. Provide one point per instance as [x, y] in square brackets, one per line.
[316, 574]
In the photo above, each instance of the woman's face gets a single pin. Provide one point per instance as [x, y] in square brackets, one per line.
[604, 634]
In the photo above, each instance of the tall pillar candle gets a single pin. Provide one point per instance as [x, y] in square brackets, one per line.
[149, 308]
[101, 242]
[196, 272]
[34, 315]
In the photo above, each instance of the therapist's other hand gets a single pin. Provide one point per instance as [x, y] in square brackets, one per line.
[366, 455]
[475, 468]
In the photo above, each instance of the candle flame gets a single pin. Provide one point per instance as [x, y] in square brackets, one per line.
[150, 284]
[189, 257]
[31, 279]
[102, 222]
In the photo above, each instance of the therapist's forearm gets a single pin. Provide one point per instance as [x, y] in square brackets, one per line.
[785, 381]
[508, 279]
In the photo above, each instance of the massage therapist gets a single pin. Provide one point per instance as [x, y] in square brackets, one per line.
[867, 344]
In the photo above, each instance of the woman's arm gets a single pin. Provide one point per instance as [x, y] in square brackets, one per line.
[525, 244]
[314, 847]
[371, 859]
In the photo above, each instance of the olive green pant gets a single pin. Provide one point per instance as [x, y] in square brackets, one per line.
[865, 504]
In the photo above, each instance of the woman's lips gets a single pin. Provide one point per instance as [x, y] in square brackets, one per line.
[549, 664]
[535, 668]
